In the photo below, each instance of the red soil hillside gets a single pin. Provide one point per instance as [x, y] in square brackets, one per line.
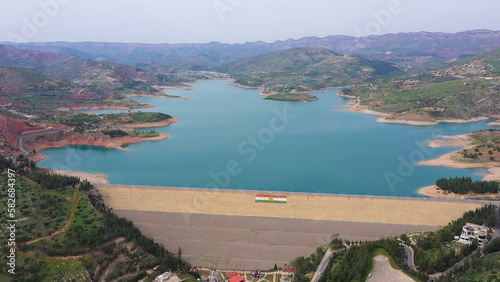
[10, 131]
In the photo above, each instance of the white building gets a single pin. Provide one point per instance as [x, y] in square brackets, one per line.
[472, 231]
[164, 277]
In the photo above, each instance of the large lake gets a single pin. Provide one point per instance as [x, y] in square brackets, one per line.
[228, 137]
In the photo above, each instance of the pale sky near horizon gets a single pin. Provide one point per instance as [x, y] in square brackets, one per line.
[234, 21]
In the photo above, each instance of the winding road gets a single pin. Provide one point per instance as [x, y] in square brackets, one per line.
[409, 256]
[322, 265]
[35, 132]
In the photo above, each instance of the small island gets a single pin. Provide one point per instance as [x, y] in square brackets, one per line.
[291, 97]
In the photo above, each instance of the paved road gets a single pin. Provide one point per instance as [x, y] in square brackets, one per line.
[322, 265]
[35, 132]
[409, 256]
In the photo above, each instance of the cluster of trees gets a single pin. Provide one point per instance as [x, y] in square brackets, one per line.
[493, 246]
[96, 238]
[303, 266]
[5, 163]
[430, 253]
[139, 117]
[464, 185]
[115, 226]
[355, 264]
[474, 268]
[465, 154]
[21, 161]
[115, 133]
[439, 259]
[54, 181]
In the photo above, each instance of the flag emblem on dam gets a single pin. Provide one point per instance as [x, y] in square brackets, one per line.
[268, 198]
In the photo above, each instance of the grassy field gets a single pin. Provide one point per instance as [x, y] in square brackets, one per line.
[496, 66]
[40, 213]
[431, 97]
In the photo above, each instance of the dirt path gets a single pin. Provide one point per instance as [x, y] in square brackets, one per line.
[74, 201]
[108, 268]
[47, 257]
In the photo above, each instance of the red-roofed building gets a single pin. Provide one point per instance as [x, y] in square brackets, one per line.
[289, 272]
[236, 278]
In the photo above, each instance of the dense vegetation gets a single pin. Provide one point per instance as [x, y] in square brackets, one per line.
[431, 254]
[102, 246]
[137, 117]
[304, 266]
[54, 181]
[464, 185]
[114, 133]
[356, 263]
[478, 269]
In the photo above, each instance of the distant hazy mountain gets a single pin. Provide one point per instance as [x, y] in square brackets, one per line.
[72, 68]
[413, 51]
[303, 69]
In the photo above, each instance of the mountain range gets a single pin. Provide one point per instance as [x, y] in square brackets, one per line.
[414, 51]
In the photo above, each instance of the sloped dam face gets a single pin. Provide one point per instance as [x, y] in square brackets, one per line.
[230, 230]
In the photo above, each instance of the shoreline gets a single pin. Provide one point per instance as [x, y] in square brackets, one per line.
[161, 123]
[355, 106]
[90, 139]
[494, 123]
[164, 95]
[452, 160]
[434, 192]
[78, 108]
[94, 178]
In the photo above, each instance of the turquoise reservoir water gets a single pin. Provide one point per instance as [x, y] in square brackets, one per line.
[228, 137]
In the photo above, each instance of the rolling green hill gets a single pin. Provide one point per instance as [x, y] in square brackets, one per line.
[304, 69]
[464, 89]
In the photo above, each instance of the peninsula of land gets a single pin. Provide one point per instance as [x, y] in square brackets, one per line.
[479, 150]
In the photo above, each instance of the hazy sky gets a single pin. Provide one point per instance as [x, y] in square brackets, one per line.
[180, 21]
